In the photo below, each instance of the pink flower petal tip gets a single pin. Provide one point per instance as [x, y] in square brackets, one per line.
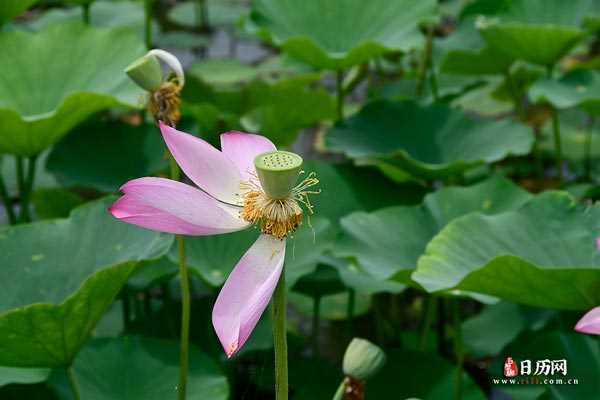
[247, 292]
[590, 322]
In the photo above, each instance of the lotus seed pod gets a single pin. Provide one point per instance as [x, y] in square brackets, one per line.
[278, 172]
[146, 72]
[362, 359]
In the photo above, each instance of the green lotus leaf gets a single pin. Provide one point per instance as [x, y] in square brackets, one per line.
[543, 254]
[352, 275]
[346, 188]
[42, 101]
[69, 271]
[223, 71]
[430, 141]
[555, 12]
[388, 242]
[23, 375]
[539, 44]
[432, 378]
[465, 53]
[104, 155]
[282, 109]
[493, 328]
[13, 8]
[538, 31]
[333, 306]
[341, 33]
[579, 88]
[125, 368]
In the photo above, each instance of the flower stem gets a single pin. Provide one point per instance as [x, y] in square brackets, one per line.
[350, 311]
[315, 324]
[425, 66]
[339, 393]
[73, 383]
[201, 14]
[185, 302]
[458, 349]
[185, 318]
[339, 77]
[517, 103]
[557, 145]
[280, 339]
[27, 189]
[430, 309]
[7, 201]
[148, 23]
[85, 13]
[588, 149]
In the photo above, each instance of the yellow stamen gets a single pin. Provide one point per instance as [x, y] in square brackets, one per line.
[164, 103]
[277, 217]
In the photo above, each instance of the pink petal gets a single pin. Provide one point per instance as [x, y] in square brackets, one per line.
[210, 169]
[590, 322]
[242, 148]
[247, 292]
[598, 243]
[169, 206]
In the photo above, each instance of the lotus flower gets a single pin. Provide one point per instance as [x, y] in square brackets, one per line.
[590, 322]
[230, 198]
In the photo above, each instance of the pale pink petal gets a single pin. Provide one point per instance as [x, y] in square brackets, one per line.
[247, 292]
[590, 322]
[598, 243]
[242, 148]
[209, 168]
[169, 206]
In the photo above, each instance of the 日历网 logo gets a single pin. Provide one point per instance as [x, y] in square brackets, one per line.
[535, 372]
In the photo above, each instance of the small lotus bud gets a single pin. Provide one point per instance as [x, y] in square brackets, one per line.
[145, 71]
[278, 172]
[172, 62]
[362, 359]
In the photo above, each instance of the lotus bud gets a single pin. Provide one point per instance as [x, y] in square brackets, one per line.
[362, 359]
[172, 62]
[278, 172]
[145, 71]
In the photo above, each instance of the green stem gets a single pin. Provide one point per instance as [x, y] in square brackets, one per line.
[426, 64]
[430, 309]
[73, 383]
[458, 349]
[20, 176]
[201, 14]
[7, 201]
[185, 318]
[126, 308]
[85, 8]
[350, 311]
[339, 393]
[280, 339]
[185, 302]
[556, 132]
[148, 23]
[588, 149]
[339, 78]
[441, 327]
[517, 103]
[557, 144]
[27, 189]
[315, 324]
